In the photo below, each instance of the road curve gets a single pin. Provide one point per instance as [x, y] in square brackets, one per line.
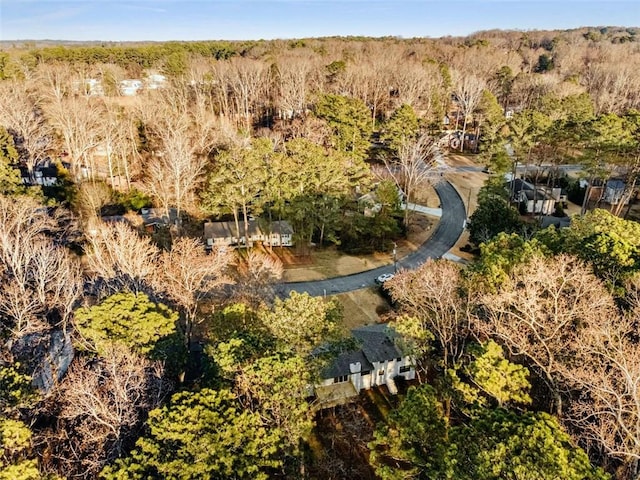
[446, 235]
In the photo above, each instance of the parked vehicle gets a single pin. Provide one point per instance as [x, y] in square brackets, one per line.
[384, 278]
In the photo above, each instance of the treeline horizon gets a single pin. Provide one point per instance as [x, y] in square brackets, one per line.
[31, 42]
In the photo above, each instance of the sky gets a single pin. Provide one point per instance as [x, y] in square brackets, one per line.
[139, 20]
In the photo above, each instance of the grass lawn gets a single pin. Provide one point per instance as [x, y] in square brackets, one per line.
[329, 262]
[362, 307]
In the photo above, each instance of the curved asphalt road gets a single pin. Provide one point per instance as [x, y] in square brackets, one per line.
[446, 235]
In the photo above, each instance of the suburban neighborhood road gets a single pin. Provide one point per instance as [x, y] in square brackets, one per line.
[446, 235]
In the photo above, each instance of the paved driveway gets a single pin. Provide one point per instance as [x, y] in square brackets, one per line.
[446, 235]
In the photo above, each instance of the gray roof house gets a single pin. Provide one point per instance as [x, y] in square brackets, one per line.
[377, 362]
[614, 192]
[558, 222]
[279, 233]
[533, 199]
[157, 217]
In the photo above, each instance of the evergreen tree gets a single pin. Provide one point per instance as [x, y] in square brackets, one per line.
[133, 320]
[205, 434]
[403, 126]
[349, 118]
[10, 180]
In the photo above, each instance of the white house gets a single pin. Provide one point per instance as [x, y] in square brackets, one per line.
[130, 87]
[223, 234]
[156, 81]
[94, 87]
[379, 361]
[537, 201]
[89, 86]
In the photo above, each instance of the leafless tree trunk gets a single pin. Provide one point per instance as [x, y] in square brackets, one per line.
[415, 166]
[102, 402]
[190, 275]
[541, 310]
[23, 117]
[119, 257]
[468, 91]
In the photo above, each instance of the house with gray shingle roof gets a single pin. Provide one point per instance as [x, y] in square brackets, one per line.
[378, 361]
[158, 217]
[532, 199]
[223, 234]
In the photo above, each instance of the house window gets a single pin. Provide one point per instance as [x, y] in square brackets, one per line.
[341, 379]
[405, 369]
[381, 371]
[398, 359]
[365, 372]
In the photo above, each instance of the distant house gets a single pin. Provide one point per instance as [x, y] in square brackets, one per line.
[532, 199]
[129, 87]
[223, 234]
[89, 86]
[94, 87]
[45, 175]
[614, 192]
[369, 204]
[378, 361]
[155, 81]
[558, 222]
[154, 218]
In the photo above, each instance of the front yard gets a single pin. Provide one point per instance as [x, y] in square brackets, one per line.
[329, 262]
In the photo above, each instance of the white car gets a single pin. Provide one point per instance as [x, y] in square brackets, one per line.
[384, 277]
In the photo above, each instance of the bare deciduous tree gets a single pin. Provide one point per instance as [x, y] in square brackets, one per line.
[415, 166]
[293, 83]
[248, 81]
[175, 168]
[40, 281]
[433, 295]
[119, 148]
[22, 116]
[369, 78]
[541, 310]
[256, 274]
[102, 402]
[90, 199]
[119, 257]
[189, 276]
[78, 122]
[468, 91]
[418, 86]
[605, 373]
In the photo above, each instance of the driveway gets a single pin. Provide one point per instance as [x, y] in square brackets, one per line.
[446, 235]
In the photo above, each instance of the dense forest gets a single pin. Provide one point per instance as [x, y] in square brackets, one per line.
[130, 350]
